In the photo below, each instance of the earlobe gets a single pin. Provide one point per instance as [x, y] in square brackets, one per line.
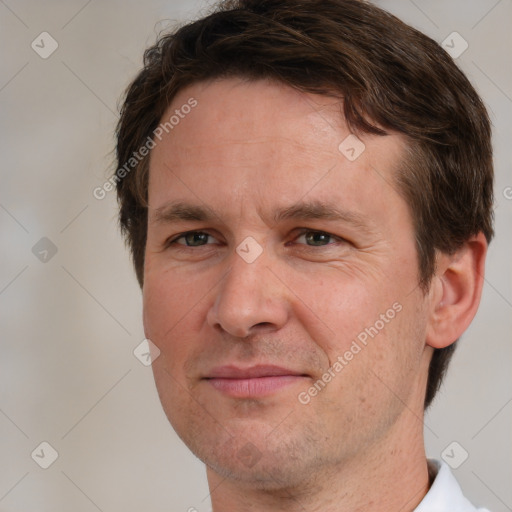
[455, 292]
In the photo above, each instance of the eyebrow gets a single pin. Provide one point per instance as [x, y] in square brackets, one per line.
[179, 211]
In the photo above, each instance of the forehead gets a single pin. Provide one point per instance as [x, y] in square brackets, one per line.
[267, 142]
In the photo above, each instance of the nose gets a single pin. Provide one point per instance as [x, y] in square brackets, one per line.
[250, 298]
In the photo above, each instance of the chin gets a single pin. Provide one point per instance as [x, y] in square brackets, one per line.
[257, 461]
[266, 474]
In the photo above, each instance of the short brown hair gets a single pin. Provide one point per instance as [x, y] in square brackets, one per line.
[388, 75]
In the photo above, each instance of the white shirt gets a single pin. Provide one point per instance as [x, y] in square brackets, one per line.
[445, 494]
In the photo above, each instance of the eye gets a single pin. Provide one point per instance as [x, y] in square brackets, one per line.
[317, 238]
[308, 237]
[191, 239]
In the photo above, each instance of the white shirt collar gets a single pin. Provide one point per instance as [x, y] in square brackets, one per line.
[445, 494]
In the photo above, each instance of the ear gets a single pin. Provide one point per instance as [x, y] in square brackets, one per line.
[455, 292]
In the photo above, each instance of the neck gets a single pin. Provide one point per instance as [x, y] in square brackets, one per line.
[392, 474]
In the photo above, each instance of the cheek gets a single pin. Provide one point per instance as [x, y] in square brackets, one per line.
[374, 325]
[390, 362]
[171, 310]
[335, 308]
[171, 307]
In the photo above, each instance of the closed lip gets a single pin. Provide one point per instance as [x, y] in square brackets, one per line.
[252, 372]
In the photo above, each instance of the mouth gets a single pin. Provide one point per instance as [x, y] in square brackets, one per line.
[256, 381]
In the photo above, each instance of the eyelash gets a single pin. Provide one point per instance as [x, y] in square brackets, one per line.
[173, 241]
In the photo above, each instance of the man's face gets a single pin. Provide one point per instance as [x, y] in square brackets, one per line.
[259, 304]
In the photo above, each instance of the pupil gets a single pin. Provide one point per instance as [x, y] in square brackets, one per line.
[314, 238]
[192, 238]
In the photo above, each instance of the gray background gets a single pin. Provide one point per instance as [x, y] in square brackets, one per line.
[69, 324]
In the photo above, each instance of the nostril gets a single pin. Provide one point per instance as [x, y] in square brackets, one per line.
[263, 324]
